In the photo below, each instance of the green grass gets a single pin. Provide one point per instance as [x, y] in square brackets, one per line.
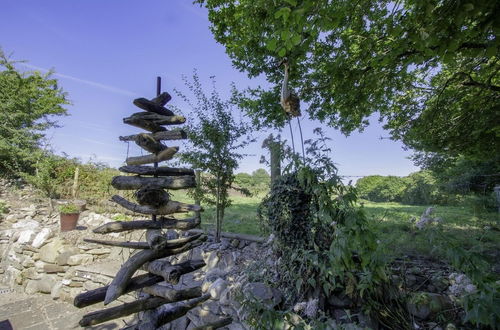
[391, 221]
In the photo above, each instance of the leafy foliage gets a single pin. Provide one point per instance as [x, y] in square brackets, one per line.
[430, 68]
[255, 183]
[28, 103]
[215, 137]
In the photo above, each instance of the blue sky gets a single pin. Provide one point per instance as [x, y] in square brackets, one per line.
[106, 53]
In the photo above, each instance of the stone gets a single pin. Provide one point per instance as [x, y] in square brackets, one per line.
[28, 262]
[50, 268]
[425, 305]
[211, 259]
[42, 237]
[217, 287]
[26, 236]
[50, 251]
[65, 253]
[235, 243]
[242, 244]
[79, 259]
[46, 283]
[225, 297]
[99, 251]
[31, 287]
[30, 273]
[26, 224]
[258, 290]
[55, 293]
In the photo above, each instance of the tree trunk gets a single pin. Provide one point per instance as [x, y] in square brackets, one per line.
[175, 134]
[159, 171]
[152, 196]
[166, 154]
[122, 278]
[162, 99]
[162, 223]
[169, 208]
[275, 150]
[137, 182]
[144, 124]
[155, 118]
[170, 244]
[215, 325]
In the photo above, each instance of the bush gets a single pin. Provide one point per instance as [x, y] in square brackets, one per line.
[377, 188]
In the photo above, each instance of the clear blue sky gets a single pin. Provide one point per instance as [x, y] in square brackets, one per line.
[106, 53]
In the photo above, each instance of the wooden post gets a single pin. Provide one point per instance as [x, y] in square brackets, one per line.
[74, 189]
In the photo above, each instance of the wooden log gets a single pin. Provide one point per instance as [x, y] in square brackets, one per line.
[159, 171]
[120, 282]
[148, 125]
[172, 294]
[155, 239]
[243, 237]
[171, 273]
[166, 154]
[153, 105]
[162, 99]
[169, 208]
[97, 295]
[170, 244]
[152, 196]
[179, 310]
[129, 245]
[148, 143]
[161, 223]
[155, 118]
[216, 325]
[176, 134]
[137, 182]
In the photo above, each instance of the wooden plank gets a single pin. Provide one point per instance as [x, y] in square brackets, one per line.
[169, 207]
[137, 182]
[161, 223]
[148, 143]
[159, 171]
[176, 134]
[154, 105]
[163, 155]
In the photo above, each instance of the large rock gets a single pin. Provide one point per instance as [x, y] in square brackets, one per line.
[31, 287]
[425, 305]
[26, 236]
[65, 253]
[79, 259]
[268, 296]
[26, 224]
[42, 237]
[50, 251]
[46, 283]
[217, 288]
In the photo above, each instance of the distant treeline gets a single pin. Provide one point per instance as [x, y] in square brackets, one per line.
[452, 183]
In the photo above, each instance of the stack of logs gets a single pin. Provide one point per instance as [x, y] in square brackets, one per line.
[149, 183]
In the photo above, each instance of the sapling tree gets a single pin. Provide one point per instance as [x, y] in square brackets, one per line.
[216, 137]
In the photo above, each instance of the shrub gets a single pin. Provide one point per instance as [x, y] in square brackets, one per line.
[69, 209]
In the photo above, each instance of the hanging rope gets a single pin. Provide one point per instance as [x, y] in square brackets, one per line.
[291, 133]
[302, 142]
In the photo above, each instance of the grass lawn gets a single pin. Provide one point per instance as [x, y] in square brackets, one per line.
[392, 222]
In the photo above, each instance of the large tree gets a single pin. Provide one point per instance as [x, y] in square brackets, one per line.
[430, 68]
[29, 101]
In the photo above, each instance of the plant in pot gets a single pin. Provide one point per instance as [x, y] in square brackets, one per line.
[69, 214]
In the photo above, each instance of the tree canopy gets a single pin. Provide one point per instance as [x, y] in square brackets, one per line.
[28, 103]
[429, 68]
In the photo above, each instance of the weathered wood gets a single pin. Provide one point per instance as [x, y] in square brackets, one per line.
[148, 125]
[152, 196]
[179, 309]
[155, 239]
[122, 278]
[121, 311]
[97, 295]
[137, 182]
[171, 273]
[130, 245]
[153, 106]
[148, 143]
[216, 325]
[243, 237]
[163, 155]
[159, 171]
[172, 294]
[161, 223]
[155, 118]
[170, 244]
[169, 208]
[162, 99]
[175, 134]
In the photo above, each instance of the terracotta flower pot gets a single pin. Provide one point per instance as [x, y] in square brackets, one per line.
[68, 221]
